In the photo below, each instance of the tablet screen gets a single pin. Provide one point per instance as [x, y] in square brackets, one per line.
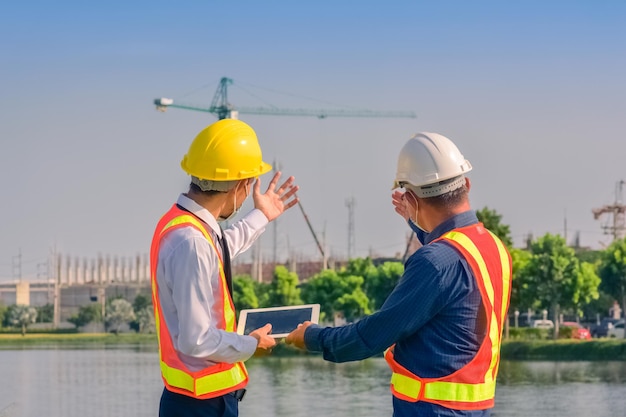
[283, 319]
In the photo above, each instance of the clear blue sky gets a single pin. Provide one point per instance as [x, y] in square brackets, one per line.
[532, 92]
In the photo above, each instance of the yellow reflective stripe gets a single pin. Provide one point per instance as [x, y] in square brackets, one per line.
[176, 377]
[506, 282]
[406, 385]
[185, 218]
[181, 379]
[455, 391]
[229, 313]
[220, 380]
[494, 334]
[157, 322]
[469, 246]
[445, 391]
[506, 273]
[210, 383]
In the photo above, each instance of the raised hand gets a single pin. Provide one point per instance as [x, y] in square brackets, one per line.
[275, 202]
[398, 198]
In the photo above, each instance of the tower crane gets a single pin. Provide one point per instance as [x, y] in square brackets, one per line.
[225, 110]
[617, 211]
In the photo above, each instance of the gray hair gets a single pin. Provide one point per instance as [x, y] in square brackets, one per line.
[210, 185]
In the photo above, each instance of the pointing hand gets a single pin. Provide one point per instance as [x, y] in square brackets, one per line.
[275, 201]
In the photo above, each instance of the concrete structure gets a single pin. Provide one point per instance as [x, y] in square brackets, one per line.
[32, 293]
[79, 282]
[70, 297]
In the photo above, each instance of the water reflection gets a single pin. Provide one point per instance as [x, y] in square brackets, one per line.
[551, 373]
[126, 382]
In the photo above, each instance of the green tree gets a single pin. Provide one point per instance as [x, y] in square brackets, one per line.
[380, 282]
[554, 277]
[45, 313]
[118, 312]
[612, 270]
[145, 320]
[587, 284]
[519, 260]
[336, 293]
[263, 292]
[244, 293]
[353, 305]
[144, 314]
[284, 289]
[22, 316]
[324, 289]
[3, 315]
[493, 221]
[90, 313]
[141, 301]
[588, 255]
[360, 267]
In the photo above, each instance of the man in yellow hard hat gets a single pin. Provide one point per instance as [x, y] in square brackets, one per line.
[441, 327]
[200, 353]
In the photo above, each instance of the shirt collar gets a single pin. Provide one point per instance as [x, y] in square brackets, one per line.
[200, 212]
[466, 218]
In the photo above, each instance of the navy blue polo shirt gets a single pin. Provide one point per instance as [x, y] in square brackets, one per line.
[433, 315]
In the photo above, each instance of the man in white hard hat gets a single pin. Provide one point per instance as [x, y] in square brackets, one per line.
[441, 326]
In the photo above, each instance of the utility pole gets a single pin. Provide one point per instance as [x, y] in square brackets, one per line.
[350, 203]
[57, 288]
[275, 225]
[257, 262]
[616, 227]
[17, 266]
[565, 226]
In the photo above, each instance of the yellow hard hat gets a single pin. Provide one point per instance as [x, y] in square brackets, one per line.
[227, 150]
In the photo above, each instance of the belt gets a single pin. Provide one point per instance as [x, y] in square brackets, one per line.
[239, 394]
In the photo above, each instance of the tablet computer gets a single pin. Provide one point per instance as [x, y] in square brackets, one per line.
[283, 319]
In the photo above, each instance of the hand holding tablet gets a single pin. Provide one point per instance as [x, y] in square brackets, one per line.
[265, 341]
[283, 319]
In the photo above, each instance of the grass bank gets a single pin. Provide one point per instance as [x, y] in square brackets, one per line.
[548, 350]
[559, 350]
[68, 340]
[565, 350]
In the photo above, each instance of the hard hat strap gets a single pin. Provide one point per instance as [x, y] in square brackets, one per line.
[439, 188]
[209, 185]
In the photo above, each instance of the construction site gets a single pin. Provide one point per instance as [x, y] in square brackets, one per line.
[68, 282]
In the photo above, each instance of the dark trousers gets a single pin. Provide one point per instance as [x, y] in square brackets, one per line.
[178, 405]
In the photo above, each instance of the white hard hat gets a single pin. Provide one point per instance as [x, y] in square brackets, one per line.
[427, 160]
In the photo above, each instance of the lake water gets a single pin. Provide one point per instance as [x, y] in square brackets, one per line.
[126, 382]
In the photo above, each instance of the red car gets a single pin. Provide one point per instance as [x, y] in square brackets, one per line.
[578, 331]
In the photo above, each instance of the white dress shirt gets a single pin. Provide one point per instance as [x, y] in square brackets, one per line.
[189, 283]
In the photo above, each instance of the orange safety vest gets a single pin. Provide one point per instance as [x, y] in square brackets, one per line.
[473, 386]
[215, 380]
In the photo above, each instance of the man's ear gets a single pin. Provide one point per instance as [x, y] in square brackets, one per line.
[468, 183]
[240, 184]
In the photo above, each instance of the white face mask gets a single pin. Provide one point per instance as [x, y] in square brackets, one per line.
[412, 218]
[235, 208]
